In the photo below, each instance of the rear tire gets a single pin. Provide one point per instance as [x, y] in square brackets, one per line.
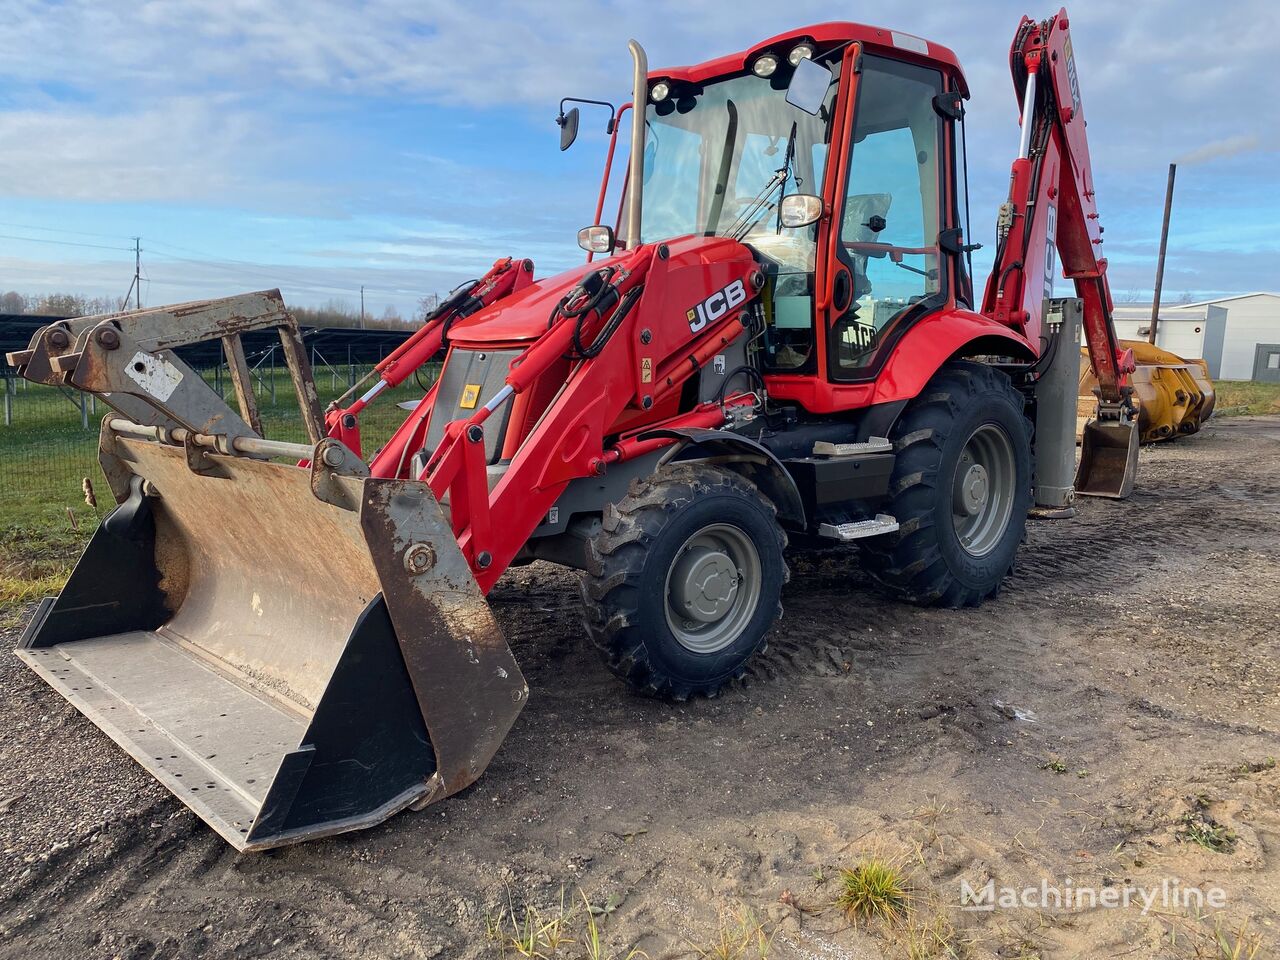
[961, 489]
[683, 582]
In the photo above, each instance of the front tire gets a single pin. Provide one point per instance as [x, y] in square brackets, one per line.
[683, 581]
[961, 489]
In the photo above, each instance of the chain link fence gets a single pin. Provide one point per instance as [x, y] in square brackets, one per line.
[49, 435]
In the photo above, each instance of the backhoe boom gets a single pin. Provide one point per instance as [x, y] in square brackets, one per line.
[1052, 212]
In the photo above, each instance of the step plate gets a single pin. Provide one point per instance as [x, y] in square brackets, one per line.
[824, 448]
[883, 523]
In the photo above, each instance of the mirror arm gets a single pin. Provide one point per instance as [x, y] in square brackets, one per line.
[613, 111]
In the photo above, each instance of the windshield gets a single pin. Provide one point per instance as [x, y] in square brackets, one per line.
[718, 161]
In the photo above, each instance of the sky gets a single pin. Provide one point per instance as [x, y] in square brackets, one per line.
[319, 146]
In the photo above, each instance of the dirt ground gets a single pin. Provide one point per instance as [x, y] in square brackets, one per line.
[1121, 693]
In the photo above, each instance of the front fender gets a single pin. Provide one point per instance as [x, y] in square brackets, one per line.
[946, 335]
[768, 474]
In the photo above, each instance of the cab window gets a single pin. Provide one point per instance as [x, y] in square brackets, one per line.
[891, 216]
[719, 157]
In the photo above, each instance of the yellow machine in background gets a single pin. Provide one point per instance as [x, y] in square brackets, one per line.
[1174, 396]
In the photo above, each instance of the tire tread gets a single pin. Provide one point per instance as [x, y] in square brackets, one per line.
[610, 587]
[909, 563]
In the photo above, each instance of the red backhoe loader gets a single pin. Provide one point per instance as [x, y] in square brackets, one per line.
[777, 336]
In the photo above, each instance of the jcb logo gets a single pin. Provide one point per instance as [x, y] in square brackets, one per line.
[717, 305]
[1050, 243]
[1073, 79]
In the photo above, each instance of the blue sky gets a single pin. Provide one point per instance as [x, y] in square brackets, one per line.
[317, 146]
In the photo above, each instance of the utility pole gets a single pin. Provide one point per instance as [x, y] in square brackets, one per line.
[362, 306]
[1164, 242]
[137, 273]
[135, 287]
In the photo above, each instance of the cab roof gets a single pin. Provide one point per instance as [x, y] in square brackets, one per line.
[825, 36]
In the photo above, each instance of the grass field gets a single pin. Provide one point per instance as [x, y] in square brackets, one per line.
[1238, 398]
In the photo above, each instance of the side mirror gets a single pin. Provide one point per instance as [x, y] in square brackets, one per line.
[568, 128]
[800, 209]
[596, 239]
[808, 86]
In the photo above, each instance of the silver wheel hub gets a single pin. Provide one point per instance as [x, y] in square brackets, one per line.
[971, 490]
[983, 489]
[704, 584]
[713, 588]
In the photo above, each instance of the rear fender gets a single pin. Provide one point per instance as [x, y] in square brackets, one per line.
[938, 338]
[741, 455]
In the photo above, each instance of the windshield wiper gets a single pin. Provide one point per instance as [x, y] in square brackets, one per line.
[759, 206]
[787, 160]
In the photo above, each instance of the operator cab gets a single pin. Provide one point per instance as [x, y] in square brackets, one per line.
[730, 151]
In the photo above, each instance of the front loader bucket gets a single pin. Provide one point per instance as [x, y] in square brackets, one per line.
[1108, 459]
[289, 666]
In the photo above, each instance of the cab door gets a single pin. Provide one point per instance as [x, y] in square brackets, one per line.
[885, 266]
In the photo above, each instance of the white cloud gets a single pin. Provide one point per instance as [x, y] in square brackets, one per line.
[184, 148]
[1156, 75]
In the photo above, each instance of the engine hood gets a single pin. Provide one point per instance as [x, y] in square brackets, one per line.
[523, 316]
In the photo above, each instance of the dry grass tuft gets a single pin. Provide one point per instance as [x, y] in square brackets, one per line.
[532, 933]
[875, 889]
[739, 935]
[545, 934]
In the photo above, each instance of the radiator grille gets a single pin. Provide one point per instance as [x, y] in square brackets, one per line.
[470, 378]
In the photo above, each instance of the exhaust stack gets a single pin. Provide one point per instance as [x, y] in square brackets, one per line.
[635, 170]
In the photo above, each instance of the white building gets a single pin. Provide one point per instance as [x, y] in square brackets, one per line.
[1239, 336]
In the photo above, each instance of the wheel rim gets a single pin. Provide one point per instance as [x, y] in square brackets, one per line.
[982, 491]
[712, 588]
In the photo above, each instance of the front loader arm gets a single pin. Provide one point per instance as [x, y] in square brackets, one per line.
[1052, 207]
[505, 277]
[574, 438]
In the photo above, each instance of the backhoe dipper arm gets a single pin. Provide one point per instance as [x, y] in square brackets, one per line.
[1052, 206]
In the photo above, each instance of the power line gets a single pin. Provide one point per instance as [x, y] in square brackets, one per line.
[79, 233]
[198, 253]
[238, 271]
[228, 265]
[277, 278]
[135, 285]
[65, 243]
[213, 260]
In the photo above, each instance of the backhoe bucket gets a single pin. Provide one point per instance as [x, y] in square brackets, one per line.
[1108, 459]
[292, 653]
